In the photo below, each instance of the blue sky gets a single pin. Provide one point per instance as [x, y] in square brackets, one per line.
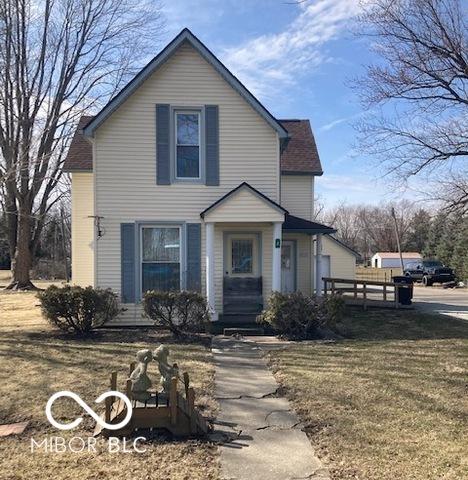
[297, 59]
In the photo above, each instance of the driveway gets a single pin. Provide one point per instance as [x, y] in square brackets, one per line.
[453, 302]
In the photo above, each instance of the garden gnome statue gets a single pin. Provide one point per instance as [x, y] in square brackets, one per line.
[167, 371]
[139, 378]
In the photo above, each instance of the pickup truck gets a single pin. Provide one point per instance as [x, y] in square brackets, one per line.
[429, 272]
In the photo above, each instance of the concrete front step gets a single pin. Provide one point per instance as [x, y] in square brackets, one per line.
[252, 309]
[243, 331]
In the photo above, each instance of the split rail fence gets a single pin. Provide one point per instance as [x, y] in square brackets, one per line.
[364, 293]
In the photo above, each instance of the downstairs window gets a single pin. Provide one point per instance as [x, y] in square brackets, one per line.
[160, 258]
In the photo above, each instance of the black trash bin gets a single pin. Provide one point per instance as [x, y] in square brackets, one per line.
[405, 293]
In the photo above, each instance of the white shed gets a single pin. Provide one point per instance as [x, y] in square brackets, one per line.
[392, 259]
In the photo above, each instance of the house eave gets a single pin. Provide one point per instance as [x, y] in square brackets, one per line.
[300, 173]
[309, 231]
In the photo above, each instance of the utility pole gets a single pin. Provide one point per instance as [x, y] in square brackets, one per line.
[64, 245]
[397, 234]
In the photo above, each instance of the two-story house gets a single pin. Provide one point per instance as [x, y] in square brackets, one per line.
[184, 180]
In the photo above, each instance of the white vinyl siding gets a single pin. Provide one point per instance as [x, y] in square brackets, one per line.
[82, 190]
[342, 261]
[244, 206]
[297, 195]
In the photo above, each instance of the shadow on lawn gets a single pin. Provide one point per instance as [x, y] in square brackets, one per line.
[121, 335]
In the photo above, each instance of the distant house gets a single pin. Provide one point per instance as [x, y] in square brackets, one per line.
[392, 259]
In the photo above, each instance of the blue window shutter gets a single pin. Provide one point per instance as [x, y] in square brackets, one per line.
[212, 144]
[193, 257]
[127, 251]
[163, 162]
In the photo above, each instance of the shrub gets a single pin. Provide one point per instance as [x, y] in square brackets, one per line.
[334, 306]
[296, 316]
[180, 312]
[78, 310]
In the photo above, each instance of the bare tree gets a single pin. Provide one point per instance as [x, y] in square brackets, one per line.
[452, 190]
[419, 87]
[368, 229]
[58, 58]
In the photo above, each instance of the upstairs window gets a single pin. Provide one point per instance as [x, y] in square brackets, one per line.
[187, 148]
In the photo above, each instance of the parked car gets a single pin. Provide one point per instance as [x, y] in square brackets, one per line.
[429, 272]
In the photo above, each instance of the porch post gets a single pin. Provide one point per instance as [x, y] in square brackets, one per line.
[209, 261]
[276, 259]
[318, 265]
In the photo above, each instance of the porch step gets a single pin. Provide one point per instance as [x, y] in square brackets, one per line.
[243, 331]
[234, 319]
[245, 297]
[245, 304]
[240, 286]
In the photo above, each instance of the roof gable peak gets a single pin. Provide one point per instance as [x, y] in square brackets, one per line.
[244, 186]
[184, 36]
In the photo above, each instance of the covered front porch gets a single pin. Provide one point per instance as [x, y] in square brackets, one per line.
[252, 247]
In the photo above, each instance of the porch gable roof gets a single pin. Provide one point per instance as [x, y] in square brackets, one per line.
[246, 203]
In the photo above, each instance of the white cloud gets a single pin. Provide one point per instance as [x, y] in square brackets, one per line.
[329, 126]
[270, 62]
[346, 183]
[339, 121]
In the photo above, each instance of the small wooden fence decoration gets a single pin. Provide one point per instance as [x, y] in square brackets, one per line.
[359, 292]
[175, 412]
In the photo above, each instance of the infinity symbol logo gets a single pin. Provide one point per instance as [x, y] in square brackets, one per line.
[87, 408]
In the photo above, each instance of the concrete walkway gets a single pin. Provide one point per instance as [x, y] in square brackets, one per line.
[260, 437]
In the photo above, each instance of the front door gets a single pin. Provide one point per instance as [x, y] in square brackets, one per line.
[242, 286]
[288, 266]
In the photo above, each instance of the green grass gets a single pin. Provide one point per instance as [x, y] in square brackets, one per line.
[390, 402]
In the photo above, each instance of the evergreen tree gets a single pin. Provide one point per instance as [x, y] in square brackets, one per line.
[444, 250]
[459, 260]
[418, 234]
[436, 231]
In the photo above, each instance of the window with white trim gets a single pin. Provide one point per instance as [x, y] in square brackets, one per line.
[160, 258]
[187, 144]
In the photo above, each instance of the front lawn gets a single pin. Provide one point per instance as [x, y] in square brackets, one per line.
[36, 361]
[390, 403]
